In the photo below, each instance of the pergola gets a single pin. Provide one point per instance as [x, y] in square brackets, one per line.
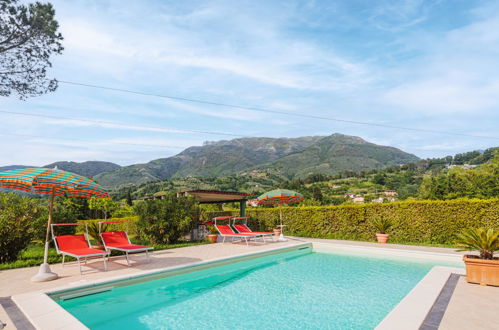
[218, 197]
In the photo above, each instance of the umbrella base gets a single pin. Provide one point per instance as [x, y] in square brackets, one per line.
[281, 238]
[44, 274]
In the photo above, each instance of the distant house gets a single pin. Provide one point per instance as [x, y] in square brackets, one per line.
[358, 199]
[252, 202]
[464, 166]
[378, 200]
[350, 195]
[390, 193]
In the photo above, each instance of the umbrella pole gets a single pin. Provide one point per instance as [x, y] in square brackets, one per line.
[281, 237]
[44, 273]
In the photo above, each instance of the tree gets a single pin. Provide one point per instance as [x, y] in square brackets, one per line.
[129, 198]
[106, 205]
[19, 217]
[28, 38]
[166, 220]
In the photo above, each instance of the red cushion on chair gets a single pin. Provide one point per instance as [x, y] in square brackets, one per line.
[115, 237]
[119, 239]
[243, 229]
[76, 244]
[69, 242]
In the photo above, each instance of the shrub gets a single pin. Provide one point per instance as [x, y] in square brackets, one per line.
[419, 222]
[165, 221]
[93, 226]
[19, 216]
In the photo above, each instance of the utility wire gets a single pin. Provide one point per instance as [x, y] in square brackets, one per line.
[302, 115]
[89, 141]
[129, 126]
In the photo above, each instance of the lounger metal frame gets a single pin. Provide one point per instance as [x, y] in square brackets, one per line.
[127, 251]
[245, 237]
[234, 219]
[104, 254]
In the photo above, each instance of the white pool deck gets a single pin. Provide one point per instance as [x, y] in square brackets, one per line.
[470, 307]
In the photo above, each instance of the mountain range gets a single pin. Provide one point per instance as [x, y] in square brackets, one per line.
[290, 157]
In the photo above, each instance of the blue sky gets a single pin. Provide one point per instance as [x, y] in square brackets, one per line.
[423, 64]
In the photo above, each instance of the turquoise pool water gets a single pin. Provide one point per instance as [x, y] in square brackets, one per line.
[292, 290]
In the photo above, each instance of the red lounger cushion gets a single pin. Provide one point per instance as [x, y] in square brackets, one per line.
[244, 229]
[119, 239]
[226, 230]
[75, 244]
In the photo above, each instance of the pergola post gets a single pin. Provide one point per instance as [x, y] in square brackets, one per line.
[242, 208]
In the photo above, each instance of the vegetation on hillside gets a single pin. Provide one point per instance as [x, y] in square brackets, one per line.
[322, 189]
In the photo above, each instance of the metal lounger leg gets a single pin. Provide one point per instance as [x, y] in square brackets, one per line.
[79, 265]
[127, 261]
[105, 262]
[63, 260]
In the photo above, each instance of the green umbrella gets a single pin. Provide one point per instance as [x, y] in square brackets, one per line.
[280, 196]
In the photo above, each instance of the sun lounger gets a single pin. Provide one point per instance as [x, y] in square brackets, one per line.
[119, 241]
[242, 228]
[227, 231]
[76, 246]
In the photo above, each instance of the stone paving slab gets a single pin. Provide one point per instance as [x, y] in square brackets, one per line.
[472, 306]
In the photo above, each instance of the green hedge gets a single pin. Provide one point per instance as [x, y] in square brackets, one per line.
[132, 224]
[418, 222]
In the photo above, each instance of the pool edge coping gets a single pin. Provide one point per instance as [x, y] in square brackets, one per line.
[409, 313]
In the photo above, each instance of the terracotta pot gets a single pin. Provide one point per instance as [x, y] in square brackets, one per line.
[277, 231]
[212, 238]
[98, 247]
[481, 271]
[382, 238]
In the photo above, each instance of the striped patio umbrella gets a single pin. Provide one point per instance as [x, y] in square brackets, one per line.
[280, 196]
[56, 183]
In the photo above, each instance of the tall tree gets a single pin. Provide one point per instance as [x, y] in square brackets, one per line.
[28, 38]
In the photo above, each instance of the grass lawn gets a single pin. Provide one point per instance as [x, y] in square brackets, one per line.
[33, 255]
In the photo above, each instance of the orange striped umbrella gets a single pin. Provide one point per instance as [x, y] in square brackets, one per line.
[56, 183]
[279, 197]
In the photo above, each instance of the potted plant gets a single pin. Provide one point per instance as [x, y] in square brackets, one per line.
[93, 232]
[484, 268]
[382, 225]
[213, 235]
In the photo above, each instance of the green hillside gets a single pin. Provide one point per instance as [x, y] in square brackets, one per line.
[338, 153]
[220, 158]
[88, 169]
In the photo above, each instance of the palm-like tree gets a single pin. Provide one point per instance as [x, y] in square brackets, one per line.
[479, 239]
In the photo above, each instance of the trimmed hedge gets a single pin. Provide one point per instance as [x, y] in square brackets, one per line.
[132, 224]
[419, 222]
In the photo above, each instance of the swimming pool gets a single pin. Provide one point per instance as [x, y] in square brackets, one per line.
[299, 289]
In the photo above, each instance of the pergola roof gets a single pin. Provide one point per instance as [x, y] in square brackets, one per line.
[213, 196]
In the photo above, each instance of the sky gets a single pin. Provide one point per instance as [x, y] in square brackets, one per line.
[430, 65]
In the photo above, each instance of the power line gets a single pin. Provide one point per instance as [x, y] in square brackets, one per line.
[227, 105]
[90, 141]
[129, 126]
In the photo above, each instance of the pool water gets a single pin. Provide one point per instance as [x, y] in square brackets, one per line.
[292, 290]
